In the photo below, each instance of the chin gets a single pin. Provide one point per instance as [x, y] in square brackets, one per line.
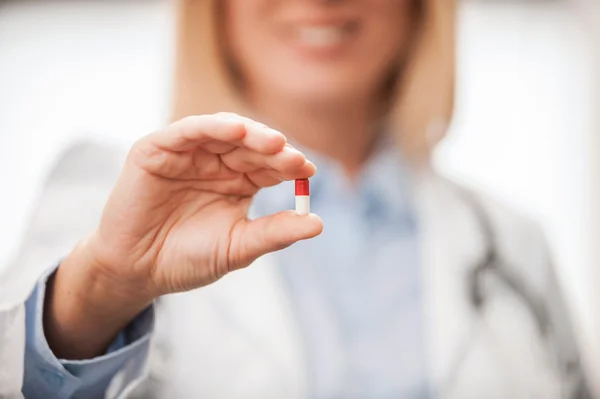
[321, 91]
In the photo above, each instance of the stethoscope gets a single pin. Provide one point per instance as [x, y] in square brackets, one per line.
[492, 263]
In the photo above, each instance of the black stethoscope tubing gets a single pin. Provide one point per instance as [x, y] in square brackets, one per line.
[491, 261]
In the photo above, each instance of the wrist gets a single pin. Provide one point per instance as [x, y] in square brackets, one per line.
[108, 278]
[85, 307]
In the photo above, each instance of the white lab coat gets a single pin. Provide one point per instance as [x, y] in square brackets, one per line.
[238, 338]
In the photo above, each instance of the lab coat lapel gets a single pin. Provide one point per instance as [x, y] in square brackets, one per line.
[450, 244]
[257, 300]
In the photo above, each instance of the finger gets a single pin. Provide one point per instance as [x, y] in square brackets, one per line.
[271, 233]
[252, 125]
[249, 183]
[306, 171]
[191, 132]
[268, 177]
[264, 178]
[219, 147]
[245, 160]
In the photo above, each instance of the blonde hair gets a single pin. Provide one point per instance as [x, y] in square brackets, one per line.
[422, 107]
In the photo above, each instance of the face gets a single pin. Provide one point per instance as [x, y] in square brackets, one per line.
[313, 50]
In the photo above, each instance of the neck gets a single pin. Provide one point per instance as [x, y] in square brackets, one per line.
[344, 132]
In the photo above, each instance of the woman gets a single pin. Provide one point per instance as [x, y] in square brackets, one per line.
[416, 288]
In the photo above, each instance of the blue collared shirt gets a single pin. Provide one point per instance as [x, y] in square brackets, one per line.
[356, 290]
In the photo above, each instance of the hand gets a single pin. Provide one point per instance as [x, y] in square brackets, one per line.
[176, 220]
[177, 217]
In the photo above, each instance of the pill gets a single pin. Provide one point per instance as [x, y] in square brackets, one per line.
[302, 196]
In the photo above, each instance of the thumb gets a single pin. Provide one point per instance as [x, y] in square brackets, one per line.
[271, 233]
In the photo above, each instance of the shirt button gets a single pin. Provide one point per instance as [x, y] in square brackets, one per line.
[53, 378]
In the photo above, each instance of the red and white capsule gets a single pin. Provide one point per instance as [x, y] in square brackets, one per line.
[302, 196]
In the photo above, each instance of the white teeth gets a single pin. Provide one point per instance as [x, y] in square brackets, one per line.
[321, 36]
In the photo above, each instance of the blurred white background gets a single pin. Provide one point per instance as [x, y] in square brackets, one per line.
[525, 126]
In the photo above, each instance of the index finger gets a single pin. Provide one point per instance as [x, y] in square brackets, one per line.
[194, 131]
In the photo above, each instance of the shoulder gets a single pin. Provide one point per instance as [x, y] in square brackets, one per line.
[67, 208]
[84, 161]
[76, 188]
[505, 218]
[518, 238]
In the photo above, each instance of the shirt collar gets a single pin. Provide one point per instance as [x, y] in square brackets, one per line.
[385, 184]
[382, 186]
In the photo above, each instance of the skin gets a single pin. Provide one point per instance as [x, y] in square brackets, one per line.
[177, 218]
[320, 96]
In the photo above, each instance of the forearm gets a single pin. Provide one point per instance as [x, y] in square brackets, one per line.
[85, 309]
